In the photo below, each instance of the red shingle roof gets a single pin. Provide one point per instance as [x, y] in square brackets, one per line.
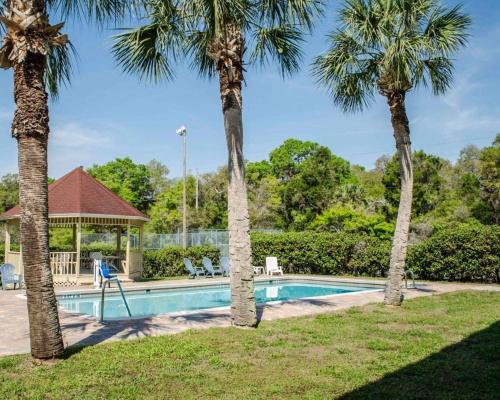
[79, 194]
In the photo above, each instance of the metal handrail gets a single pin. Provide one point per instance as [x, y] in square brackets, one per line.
[123, 297]
[412, 278]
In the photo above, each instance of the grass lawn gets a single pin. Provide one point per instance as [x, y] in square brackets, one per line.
[440, 347]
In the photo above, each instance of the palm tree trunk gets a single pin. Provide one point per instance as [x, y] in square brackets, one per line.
[393, 295]
[31, 128]
[243, 308]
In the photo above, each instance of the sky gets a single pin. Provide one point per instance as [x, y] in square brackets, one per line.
[105, 114]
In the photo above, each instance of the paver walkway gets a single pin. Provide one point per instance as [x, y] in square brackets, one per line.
[81, 330]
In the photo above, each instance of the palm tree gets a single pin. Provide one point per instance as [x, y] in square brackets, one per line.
[392, 47]
[40, 57]
[215, 34]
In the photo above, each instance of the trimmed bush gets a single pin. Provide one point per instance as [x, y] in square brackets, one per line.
[105, 249]
[2, 253]
[323, 253]
[463, 253]
[168, 262]
[370, 257]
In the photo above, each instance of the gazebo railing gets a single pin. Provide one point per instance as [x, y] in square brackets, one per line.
[63, 263]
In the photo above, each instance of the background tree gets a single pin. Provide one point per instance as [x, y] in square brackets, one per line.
[489, 180]
[264, 201]
[9, 191]
[158, 176]
[131, 181]
[309, 176]
[392, 47]
[428, 183]
[218, 34]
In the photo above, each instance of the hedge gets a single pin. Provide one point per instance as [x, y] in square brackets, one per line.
[168, 262]
[464, 253]
[323, 253]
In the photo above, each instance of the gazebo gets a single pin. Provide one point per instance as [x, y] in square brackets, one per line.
[77, 201]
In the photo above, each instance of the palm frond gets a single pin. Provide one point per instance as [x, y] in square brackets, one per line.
[146, 51]
[299, 12]
[100, 11]
[59, 68]
[150, 50]
[198, 47]
[347, 70]
[447, 30]
[281, 44]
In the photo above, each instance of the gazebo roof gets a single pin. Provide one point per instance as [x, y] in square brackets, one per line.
[77, 194]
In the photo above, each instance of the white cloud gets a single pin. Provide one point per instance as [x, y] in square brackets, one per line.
[74, 135]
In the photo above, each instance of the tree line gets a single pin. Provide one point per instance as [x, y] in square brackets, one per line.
[303, 185]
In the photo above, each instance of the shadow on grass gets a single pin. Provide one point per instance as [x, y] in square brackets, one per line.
[262, 307]
[469, 369]
[137, 328]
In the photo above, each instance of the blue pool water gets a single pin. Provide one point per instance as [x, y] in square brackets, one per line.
[160, 301]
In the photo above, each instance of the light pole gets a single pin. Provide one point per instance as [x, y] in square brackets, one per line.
[182, 131]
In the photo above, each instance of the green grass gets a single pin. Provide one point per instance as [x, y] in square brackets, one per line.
[439, 347]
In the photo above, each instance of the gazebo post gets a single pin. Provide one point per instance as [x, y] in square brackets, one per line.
[127, 262]
[141, 246]
[7, 242]
[118, 240]
[78, 245]
[74, 237]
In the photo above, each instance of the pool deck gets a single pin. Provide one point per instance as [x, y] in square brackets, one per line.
[82, 330]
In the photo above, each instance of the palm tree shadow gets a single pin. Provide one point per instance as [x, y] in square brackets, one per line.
[136, 328]
[469, 369]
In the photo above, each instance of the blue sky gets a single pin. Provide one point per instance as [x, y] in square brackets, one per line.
[105, 114]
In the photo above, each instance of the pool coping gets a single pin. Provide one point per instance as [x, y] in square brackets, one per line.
[217, 282]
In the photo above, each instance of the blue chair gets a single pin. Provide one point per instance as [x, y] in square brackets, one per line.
[224, 262]
[194, 272]
[106, 277]
[207, 264]
[9, 276]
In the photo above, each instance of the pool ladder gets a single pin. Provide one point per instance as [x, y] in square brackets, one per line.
[123, 297]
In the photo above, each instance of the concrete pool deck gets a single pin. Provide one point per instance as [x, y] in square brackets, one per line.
[82, 330]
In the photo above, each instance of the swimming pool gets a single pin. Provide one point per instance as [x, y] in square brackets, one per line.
[155, 301]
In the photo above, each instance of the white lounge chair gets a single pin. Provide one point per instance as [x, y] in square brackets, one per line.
[207, 264]
[9, 276]
[194, 272]
[272, 267]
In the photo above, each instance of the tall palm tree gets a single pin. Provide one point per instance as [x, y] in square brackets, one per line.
[40, 57]
[392, 46]
[215, 34]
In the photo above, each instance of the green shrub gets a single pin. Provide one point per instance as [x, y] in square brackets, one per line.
[2, 253]
[168, 261]
[370, 257]
[323, 253]
[465, 253]
[105, 249]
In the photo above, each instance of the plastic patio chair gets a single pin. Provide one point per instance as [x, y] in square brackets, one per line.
[272, 267]
[194, 272]
[207, 264]
[9, 276]
[224, 262]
